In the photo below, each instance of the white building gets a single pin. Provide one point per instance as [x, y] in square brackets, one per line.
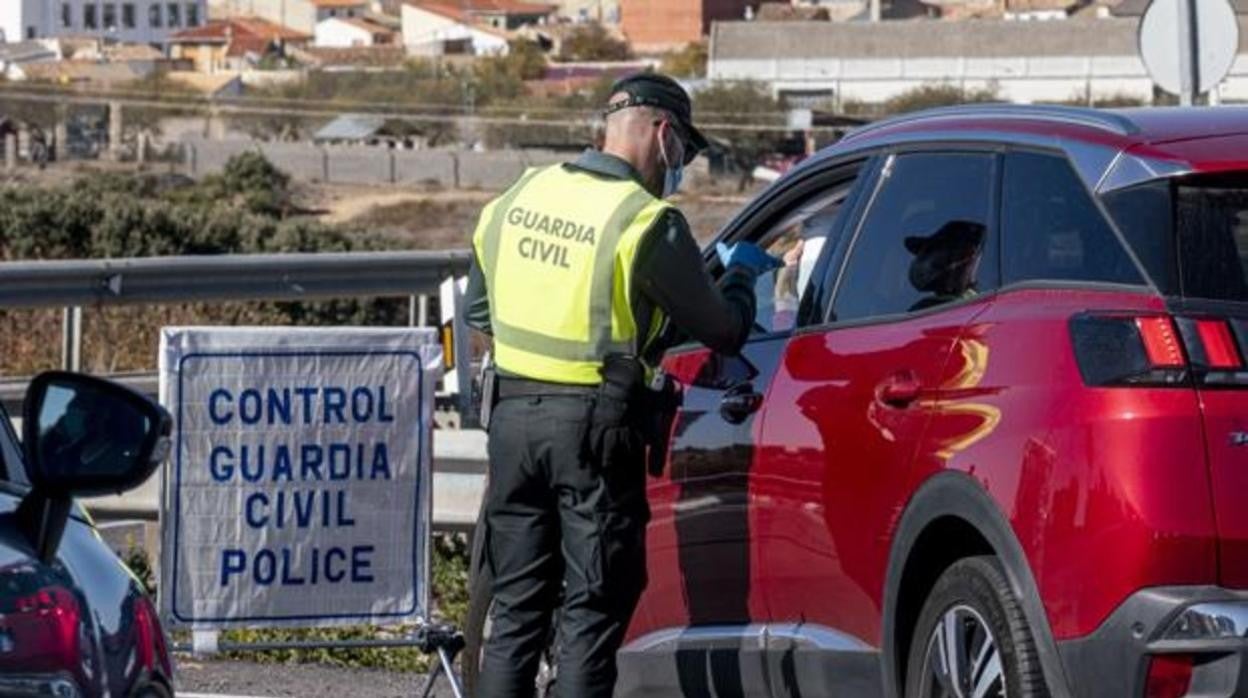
[349, 32]
[300, 15]
[1037, 61]
[431, 29]
[137, 21]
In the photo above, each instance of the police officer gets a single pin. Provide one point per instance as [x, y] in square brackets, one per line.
[577, 269]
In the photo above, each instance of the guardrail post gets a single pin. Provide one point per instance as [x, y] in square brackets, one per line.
[71, 339]
[116, 130]
[10, 151]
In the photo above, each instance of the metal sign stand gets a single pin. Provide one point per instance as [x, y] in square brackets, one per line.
[448, 643]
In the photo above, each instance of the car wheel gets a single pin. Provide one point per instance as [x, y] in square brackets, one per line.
[477, 633]
[971, 639]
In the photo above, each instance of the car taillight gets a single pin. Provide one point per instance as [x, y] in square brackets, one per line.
[1156, 350]
[1169, 676]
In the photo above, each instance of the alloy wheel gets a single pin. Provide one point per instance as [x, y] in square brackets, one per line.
[962, 659]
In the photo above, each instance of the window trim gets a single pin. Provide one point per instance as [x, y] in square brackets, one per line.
[767, 211]
[889, 156]
[771, 203]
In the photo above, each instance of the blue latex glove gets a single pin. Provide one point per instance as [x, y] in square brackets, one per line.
[748, 255]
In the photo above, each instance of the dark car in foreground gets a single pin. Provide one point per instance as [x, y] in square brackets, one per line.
[73, 620]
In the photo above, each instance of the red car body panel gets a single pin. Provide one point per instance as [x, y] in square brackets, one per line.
[1104, 488]
[835, 463]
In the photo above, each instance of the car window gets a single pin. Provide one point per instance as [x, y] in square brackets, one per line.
[1052, 230]
[798, 239]
[926, 239]
[12, 469]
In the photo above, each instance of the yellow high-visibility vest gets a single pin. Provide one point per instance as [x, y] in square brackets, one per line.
[557, 254]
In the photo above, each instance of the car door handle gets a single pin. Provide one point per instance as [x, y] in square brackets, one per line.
[898, 390]
[739, 403]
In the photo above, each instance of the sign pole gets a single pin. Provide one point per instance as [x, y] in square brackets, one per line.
[1189, 52]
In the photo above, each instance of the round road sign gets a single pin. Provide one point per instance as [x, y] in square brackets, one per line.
[1165, 35]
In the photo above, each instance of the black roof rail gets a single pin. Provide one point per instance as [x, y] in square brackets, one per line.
[1112, 122]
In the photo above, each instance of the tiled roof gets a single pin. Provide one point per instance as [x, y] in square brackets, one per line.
[219, 31]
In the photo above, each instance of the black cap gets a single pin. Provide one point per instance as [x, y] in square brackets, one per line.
[954, 235]
[661, 92]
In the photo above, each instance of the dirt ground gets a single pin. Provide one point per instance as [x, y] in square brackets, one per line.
[415, 216]
[440, 219]
[234, 678]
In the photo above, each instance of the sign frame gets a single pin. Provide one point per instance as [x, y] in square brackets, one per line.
[230, 349]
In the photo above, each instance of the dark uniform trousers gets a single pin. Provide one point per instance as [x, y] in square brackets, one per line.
[565, 512]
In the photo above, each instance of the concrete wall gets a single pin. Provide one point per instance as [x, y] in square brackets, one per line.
[1026, 61]
[426, 166]
[491, 171]
[1019, 79]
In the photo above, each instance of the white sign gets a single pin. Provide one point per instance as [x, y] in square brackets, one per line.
[1166, 33]
[298, 491]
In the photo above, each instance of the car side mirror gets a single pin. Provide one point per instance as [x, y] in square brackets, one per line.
[84, 436]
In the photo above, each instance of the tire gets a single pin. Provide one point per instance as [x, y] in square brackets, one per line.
[480, 603]
[972, 605]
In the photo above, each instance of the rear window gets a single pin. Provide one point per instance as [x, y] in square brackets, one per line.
[1052, 229]
[1212, 222]
[1191, 234]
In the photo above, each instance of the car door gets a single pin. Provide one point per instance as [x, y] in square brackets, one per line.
[704, 575]
[852, 397]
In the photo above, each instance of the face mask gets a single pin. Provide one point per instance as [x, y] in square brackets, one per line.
[672, 175]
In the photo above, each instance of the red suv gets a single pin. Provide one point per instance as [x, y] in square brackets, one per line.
[990, 436]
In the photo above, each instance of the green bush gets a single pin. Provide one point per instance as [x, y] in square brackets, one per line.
[449, 579]
[592, 42]
[246, 209]
[928, 96]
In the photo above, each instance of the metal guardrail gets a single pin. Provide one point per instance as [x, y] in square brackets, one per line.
[73, 284]
[225, 277]
[13, 390]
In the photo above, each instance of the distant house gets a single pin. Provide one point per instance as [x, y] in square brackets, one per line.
[360, 129]
[831, 63]
[348, 32]
[661, 25]
[300, 15]
[477, 27]
[136, 21]
[231, 44]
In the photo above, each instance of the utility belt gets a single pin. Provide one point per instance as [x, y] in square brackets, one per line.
[622, 399]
